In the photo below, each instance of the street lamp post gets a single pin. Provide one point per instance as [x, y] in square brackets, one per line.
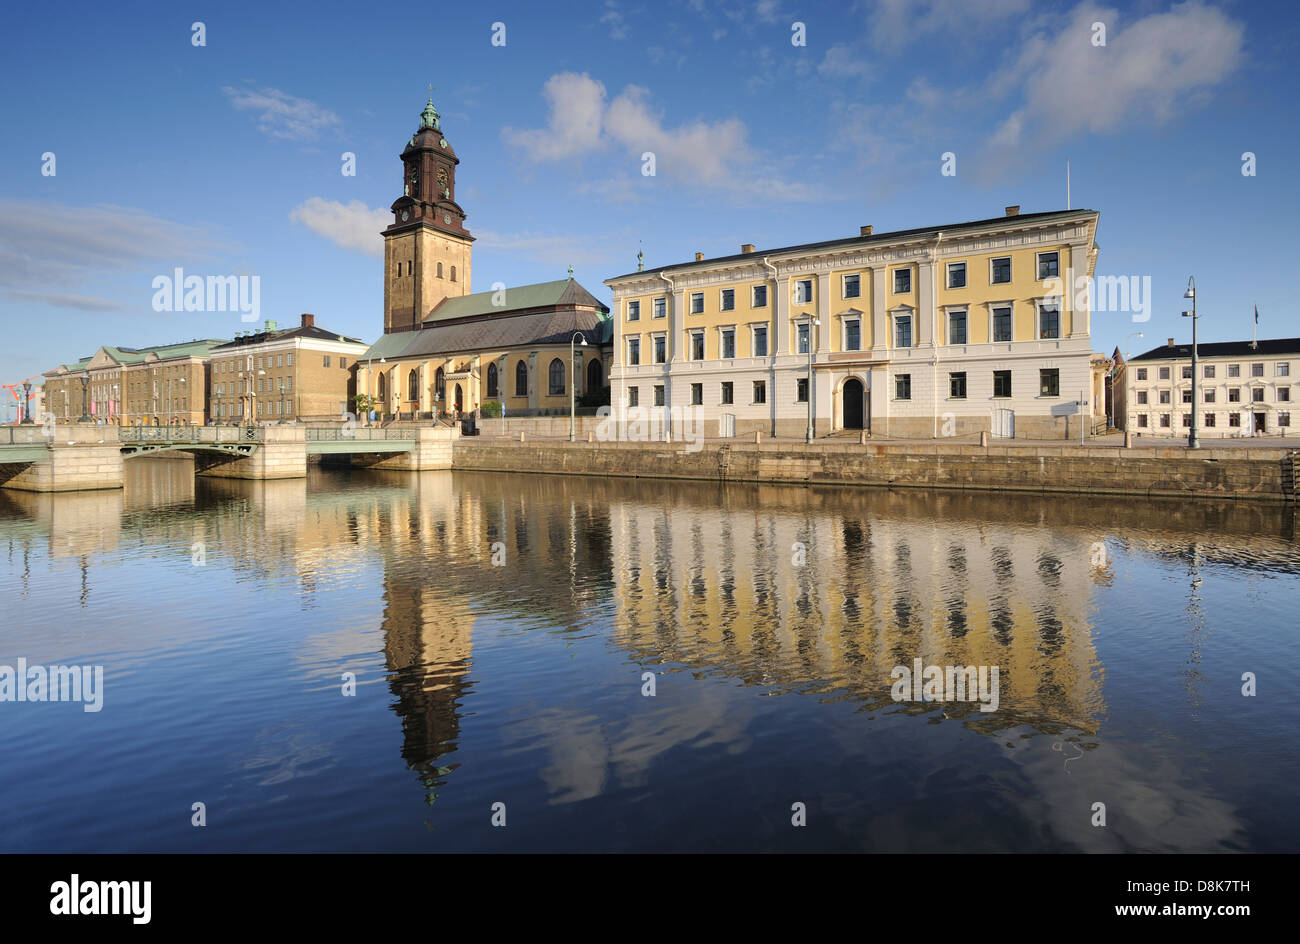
[1193, 441]
[808, 436]
[85, 415]
[27, 402]
[573, 384]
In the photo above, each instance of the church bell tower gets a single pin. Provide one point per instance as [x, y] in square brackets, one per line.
[426, 248]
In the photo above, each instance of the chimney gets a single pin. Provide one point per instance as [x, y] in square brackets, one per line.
[308, 320]
[866, 230]
[1013, 210]
[699, 257]
[1171, 342]
[747, 248]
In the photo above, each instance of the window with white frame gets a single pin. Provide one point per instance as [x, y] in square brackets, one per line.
[1164, 373]
[659, 307]
[999, 270]
[903, 387]
[634, 311]
[633, 352]
[1257, 370]
[697, 303]
[957, 326]
[852, 286]
[1283, 369]
[727, 299]
[956, 275]
[852, 334]
[1141, 373]
[758, 296]
[803, 291]
[804, 331]
[1049, 265]
[1002, 323]
[759, 341]
[1049, 322]
[1234, 370]
[728, 345]
[697, 345]
[661, 348]
[902, 330]
[902, 281]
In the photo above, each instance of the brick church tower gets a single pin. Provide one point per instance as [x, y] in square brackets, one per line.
[426, 248]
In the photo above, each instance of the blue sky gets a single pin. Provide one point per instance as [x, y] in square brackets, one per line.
[226, 158]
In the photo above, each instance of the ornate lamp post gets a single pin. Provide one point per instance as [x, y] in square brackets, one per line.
[85, 415]
[1193, 442]
[573, 386]
[27, 402]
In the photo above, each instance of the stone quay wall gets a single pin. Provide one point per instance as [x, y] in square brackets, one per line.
[1225, 473]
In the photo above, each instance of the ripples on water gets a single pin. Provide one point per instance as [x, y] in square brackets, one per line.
[770, 619]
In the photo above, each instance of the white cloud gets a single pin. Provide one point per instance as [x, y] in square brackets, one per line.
[547, 249]
[768, 11]
[351, 225]
[893, 24]
[577, 105]
[281, 115]
[46, 245]
[843, 61]
[707, 154]
[613, 18]
[1145, 73]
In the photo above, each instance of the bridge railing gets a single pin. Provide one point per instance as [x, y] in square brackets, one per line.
[356, 434]
[24, 435]
[190, 434]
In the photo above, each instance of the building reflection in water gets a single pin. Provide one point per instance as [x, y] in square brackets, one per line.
[813, 591]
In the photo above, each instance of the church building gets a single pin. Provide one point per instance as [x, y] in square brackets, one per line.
[447, 350]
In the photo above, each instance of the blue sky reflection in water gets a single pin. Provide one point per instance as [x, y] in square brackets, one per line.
[1121, 630]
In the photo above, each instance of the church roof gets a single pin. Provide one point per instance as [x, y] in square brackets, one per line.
[512, 331]
[540, 295]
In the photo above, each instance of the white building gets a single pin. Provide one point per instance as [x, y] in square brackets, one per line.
[1245, 388]
[940, 331]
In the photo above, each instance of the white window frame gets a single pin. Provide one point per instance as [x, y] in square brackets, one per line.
[753, 291]
[1010, 305]
[908, 313]
[722, 299]
[1011, 273]
[1038, 264]
[948, 312]
[893, 280]
[693, 335]
[627, 351]
[632, 308]
[654, 307]
[1039, 305]
[947, 275]
[844, 284]
[722, 333]
[845, 321]
[798, 284]
[804, 321]
[753, 331]
[654, 347]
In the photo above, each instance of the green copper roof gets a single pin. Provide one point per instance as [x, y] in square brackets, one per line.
[429, 117]
[388, 345]
[540, 295]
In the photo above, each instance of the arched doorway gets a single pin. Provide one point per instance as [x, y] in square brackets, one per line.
[853, 399]
[460, 400]
[593, 377]
[382, 399]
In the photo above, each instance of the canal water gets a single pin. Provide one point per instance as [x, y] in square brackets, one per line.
[637, 666]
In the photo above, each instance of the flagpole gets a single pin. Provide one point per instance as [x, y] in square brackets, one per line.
[1254, 330]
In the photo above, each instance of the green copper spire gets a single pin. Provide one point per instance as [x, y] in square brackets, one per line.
[640, 259]
[429, 117]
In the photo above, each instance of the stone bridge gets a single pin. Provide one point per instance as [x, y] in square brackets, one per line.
[75, 457]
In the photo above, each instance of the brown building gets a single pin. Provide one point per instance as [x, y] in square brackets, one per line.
[154, 386]
[280, 375]
[445, 350]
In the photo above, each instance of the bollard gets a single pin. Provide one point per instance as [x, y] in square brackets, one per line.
[521, 435]
[984, 438]
[1128, 440]
[591, 436]
[862, 438]
[758, 436]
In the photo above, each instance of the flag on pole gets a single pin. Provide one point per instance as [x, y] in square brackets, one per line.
[1257, 314]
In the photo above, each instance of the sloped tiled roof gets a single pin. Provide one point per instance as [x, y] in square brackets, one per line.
[554, 327]
[539, 295]
[310, 331]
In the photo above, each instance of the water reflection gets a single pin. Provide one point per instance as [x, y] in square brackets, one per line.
[809, 594]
